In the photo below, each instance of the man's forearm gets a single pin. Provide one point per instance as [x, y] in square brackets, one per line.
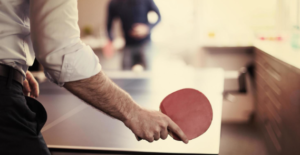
[102, 93]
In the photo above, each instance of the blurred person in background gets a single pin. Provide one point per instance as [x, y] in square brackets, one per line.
[136, 29]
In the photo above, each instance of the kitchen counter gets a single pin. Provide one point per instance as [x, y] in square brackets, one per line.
[280, 50]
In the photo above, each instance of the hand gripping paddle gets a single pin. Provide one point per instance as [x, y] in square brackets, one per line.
[190, 110]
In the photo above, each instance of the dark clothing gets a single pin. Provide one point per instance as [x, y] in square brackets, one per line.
[133, 55]
[21, 119]
[131, 12]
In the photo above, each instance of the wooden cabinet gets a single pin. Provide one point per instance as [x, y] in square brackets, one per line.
[278, 103]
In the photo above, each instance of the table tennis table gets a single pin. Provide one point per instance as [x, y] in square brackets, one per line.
[74, 126]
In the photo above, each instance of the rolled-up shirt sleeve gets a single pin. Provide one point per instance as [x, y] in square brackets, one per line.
[56, 40]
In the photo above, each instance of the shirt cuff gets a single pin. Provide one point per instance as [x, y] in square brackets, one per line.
[77, 65]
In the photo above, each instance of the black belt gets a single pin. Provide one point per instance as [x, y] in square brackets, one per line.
[17, 75]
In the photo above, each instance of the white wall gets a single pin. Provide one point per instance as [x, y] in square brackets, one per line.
[92, 13]
[234, 21]
[185, 18]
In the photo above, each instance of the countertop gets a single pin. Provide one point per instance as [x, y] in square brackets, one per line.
[280, 50]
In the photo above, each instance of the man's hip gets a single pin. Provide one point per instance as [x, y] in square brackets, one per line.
[21, 120]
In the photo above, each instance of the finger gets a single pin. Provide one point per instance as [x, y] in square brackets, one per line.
[33, 85]
[138, 138]
[173, 127]
[164, 134]
[156, 135]
[149, 138]
[34, 89]
[26, 88]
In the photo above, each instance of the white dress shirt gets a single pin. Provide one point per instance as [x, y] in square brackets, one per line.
[49, 31]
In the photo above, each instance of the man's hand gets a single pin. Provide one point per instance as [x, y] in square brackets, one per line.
[153, 125]
[139, 30]
[30, 86]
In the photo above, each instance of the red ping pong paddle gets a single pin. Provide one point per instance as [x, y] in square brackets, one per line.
[190, 110]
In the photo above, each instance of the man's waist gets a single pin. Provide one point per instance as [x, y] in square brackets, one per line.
[132, 41]
[16, 64]
[7, 71]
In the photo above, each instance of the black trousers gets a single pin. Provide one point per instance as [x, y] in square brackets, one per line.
[21, 120]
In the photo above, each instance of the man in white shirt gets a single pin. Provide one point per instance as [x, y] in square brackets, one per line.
[48, 30]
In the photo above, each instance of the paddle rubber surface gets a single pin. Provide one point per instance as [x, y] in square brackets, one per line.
[190, 110]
